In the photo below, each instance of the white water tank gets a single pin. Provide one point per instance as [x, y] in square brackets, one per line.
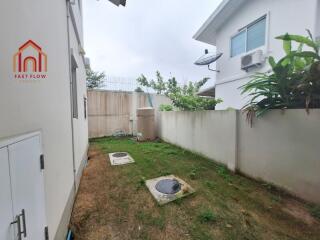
[146, 124]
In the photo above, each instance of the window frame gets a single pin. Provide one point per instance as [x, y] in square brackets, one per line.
[85, 103]
[74, 88]
[80, 6]
[245, 29]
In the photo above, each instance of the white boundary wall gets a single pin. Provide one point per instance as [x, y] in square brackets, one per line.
[282, 148]
[113, 111]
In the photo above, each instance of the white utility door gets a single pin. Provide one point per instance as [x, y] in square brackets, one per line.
[6, 215]
[27, 183]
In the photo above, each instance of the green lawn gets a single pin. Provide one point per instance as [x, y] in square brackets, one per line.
[113, 202]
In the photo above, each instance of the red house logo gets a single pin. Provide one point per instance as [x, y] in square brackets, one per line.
[30, 60]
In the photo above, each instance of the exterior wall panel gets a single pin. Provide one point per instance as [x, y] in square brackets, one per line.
[29, 105]
[209, 133]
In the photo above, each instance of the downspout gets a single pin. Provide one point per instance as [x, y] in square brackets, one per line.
[150, 99]
[71, 106]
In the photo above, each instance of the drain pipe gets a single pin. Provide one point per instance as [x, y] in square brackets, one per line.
[68, 2]
[70, 235]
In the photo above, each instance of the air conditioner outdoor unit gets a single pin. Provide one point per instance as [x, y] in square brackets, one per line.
[251, 60]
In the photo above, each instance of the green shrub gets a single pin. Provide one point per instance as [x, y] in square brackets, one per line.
[166, 108]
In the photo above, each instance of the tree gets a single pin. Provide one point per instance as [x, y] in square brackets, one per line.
[183, 97]
[159, 85]
[94, 79]
[139, 90]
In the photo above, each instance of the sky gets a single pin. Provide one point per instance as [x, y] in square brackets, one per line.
[146, 36]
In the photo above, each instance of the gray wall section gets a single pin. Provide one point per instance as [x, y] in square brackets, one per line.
[281, 148]
[209, 133]
[112, 111]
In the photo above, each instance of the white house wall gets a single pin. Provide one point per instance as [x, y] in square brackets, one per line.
[43, 104]
[77, 11]
[292, 16]
[80, 124]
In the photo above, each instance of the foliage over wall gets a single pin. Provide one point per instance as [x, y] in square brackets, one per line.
[94, 79]
[166, 108]
[294, 81]
[184, 97]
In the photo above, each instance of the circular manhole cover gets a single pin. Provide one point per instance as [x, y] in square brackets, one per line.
[119, 155]
[168, 186]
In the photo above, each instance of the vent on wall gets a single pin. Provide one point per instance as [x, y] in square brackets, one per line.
[252, 60]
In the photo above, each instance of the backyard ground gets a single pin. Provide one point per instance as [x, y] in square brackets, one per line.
[113, 202]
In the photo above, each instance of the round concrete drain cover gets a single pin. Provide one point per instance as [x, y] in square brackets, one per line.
[168, 186]
[119, 155]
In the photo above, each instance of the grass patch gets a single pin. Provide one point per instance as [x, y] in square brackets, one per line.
[224, 173]
[315, 211]
[225, 205]
[149, 220]
[207, 216]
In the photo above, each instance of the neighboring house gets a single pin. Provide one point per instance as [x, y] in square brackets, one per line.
[241, 27]
[44, 127]
[207, 92]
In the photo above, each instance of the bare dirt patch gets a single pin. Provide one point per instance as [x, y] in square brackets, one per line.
[298, 210]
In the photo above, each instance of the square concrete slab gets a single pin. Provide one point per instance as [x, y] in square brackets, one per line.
[120, 158]
[168, 188]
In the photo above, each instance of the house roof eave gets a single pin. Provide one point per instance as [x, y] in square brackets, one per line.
[207, 23]
[208, 31]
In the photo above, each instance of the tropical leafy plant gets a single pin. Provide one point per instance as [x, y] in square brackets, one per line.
[294, 81]
[183, 97]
